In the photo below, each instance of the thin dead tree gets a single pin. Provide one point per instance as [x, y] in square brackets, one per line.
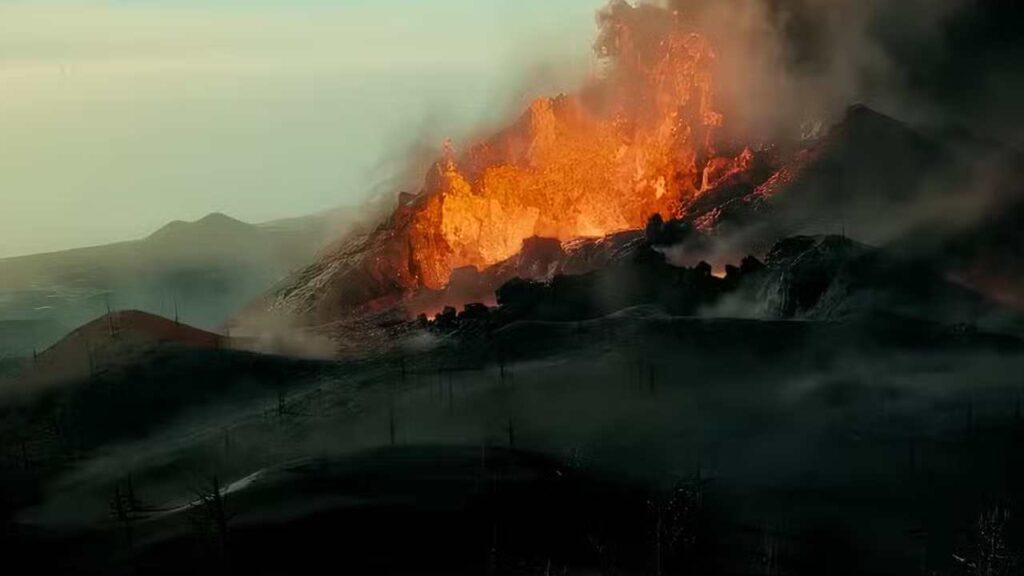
[676, 521]
[89, 357]
[282, 402]
[391, 414]
[605, 549]
[110, 318]
[210, 515]
[126, 510]
[987, 553]
[391, 403]
[451, 395]
[501, 363]
[26, 462]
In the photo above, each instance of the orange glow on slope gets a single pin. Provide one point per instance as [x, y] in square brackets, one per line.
[604, 160]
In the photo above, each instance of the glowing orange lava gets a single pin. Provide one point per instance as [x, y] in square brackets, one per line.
[631, 144]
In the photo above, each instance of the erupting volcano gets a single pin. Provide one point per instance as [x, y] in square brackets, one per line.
[631, 144]
[638, 139]
[639, 143]
[714, 310]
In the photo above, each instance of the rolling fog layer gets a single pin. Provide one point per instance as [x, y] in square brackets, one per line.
[792, 424]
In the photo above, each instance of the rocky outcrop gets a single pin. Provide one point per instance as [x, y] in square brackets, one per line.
[823, 278]
[836, 278]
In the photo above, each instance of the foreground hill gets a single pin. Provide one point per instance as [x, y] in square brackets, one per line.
[112, 340]
[527, 449]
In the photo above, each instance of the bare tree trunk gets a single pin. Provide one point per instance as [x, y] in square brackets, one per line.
[451, 395]
[24, 454]
[211, 514]
[391, 418]
[121, 508]
[657, 542]
[281, 403]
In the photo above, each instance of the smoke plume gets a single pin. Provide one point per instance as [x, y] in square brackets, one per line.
[786, 63]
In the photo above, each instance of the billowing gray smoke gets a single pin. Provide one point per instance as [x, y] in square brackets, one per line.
[794, 62]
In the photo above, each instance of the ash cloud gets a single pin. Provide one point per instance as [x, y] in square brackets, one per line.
[783, 63]
[948, 68]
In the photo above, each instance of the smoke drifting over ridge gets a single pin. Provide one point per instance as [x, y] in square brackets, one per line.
[791, 68]
[784, 63]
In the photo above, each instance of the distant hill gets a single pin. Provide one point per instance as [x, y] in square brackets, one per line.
[216, 228]
[201, 272]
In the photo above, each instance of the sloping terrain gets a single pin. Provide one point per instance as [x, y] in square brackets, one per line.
[201, 271]
[948, 199]
[112, 340]
[560, 444]
[944, 203]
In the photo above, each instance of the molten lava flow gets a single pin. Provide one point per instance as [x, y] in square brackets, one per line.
[627, 146]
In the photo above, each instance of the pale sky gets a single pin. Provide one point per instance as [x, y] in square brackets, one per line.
[119, 116]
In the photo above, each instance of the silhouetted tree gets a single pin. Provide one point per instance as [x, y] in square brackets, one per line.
[125, 509]
[391, 414]
[989, 553]
[282, 401]
[210, 515]
[676, 517]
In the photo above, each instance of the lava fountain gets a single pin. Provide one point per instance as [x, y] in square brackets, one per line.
[637, 140]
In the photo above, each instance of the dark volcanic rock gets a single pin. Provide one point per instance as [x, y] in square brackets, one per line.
[804, 277]
[834, 278]
[645, 278]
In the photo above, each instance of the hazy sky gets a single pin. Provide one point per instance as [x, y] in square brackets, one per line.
[117, 117]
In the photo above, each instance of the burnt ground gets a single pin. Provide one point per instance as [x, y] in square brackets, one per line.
[628, 444]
